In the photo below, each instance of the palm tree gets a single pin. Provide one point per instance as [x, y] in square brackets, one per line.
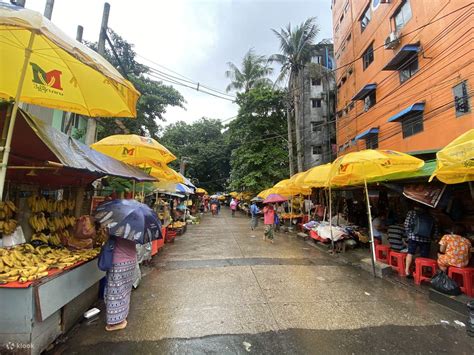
[253, 72]
[296, 47]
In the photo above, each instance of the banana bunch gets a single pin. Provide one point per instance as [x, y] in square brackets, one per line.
[41, 237]
[38, 222]
[8, 227]
[7, 209]
[71, 204]
[37, 203]
[27, 263]
[69, 221]
[54, 239]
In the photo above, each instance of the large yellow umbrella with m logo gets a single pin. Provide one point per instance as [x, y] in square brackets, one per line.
[41, 65]
[134, 149]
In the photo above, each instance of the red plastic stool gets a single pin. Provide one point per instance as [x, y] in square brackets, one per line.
[382, 253]
[420, 264]
[376, 242]
[464, 277]
[397, 261]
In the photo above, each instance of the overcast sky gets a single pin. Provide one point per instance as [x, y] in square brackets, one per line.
[192, 37]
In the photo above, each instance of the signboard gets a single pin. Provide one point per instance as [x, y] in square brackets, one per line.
[426, 194]
[96, 201]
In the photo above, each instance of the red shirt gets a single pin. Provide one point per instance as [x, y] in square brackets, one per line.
[268, 215]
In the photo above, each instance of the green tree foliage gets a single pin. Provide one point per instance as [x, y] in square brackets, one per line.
[155, 96]
[202, 144]
[259, 157]
[253, 72]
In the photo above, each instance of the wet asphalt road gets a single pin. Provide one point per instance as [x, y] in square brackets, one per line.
[220, 289]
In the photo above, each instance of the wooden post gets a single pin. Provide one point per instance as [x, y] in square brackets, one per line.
[69, 117]
[6, 148]
[91, 122]
[369, 214]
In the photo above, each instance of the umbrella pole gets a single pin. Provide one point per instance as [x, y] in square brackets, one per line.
[330, 218]
[291, 213]
[143, 193]
[369, 214]
[8, 142]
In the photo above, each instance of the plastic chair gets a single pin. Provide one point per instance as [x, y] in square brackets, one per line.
[382, 253]
[397, 261]
[377, 242]
[421, 264]
[464, 278]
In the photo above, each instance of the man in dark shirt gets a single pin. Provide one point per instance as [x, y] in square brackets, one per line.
[420, 227]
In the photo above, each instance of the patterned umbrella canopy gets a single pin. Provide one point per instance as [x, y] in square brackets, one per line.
[130, 219]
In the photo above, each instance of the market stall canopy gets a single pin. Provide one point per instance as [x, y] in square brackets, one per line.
[162, 171]
[298, 179]
[134, 149]
[317, 176]
[359, 167]
[288, 188]
[201, 191]
[172, 187]
[455, 162]
[61, 72]
[57, 159]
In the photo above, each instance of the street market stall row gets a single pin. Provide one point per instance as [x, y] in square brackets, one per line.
[386, 182]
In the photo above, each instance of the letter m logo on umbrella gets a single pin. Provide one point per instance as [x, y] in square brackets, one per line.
[127, 151]
[51, 79]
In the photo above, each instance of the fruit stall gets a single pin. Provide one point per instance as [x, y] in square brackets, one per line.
[48, 272]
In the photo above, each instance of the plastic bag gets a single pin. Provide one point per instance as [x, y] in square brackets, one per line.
[85, 228]
[442, 283]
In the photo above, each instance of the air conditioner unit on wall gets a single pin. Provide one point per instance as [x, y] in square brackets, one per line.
[392, 41]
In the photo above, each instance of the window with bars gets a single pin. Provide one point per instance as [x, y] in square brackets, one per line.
[461, 99]
[315, 103]
[315, 81]
[412, 125]
[369, 101]
[317, 149]
[368, 56]
[372, 141]
[402, 15]
[365, 18]
[409, 70]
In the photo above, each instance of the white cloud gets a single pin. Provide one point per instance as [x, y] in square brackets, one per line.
[192, 37]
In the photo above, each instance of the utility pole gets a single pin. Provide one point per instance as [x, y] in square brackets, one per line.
[20, 3]
[69, 116]
[91, 122]
[48, 9]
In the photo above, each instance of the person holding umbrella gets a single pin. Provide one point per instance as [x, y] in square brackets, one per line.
[129, 222]
[254, 211]
[268, 221]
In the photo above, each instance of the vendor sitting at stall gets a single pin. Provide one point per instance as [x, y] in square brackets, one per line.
[379, 228]
[454, 249]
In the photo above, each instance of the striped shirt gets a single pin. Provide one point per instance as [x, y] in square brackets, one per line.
[396, 236]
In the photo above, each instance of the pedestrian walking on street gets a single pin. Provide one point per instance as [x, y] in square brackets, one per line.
[254, 211]
[119, 284]
[268, 220]
[233, 206]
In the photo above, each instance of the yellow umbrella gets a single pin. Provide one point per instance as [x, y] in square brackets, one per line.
[358, 167]
[455, 162]
[233, 194]
[41, 65]
[316, 177]
[162, 171]
[134, 149]
[288, 188]
[200, 190]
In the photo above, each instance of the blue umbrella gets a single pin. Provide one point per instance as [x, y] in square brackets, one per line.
[130, 219]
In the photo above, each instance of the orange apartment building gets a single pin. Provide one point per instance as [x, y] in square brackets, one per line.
[405, 73]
